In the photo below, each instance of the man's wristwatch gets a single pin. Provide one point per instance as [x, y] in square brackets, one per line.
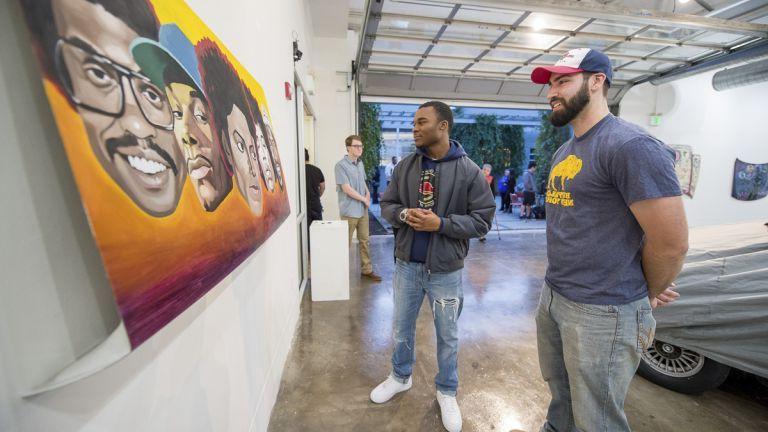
[404, 215]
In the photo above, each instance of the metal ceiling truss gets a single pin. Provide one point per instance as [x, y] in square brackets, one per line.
[617, 13]
[368, 35]
[634, 38]
[519, 48]
[644, 20]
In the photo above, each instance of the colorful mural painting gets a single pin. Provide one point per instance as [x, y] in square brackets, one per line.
[170, 142]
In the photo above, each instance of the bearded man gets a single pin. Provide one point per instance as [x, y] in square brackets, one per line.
[616, 240]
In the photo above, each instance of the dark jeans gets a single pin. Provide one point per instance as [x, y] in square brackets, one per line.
[505, 201]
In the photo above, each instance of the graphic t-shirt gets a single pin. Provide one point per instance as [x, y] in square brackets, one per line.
[593, 240]
[427, 197]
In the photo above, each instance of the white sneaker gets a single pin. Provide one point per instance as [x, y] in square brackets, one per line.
[449, 412]
[390, 387]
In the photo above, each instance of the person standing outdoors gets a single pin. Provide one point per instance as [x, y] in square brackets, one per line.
[354, 200]
[616, 239]
[504, 190]
[487, 168]
[529, 190]
[432, 241]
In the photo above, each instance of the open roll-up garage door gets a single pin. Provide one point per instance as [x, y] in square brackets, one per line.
[485, 49]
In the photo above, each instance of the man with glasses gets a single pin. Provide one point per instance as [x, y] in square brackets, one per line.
[354, 200]
[85, 45]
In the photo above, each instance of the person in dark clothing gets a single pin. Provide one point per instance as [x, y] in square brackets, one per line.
[437, 200]
[315, 188]
[373, 186]
[504, 190]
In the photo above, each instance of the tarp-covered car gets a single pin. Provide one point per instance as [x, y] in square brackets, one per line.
[721, 318]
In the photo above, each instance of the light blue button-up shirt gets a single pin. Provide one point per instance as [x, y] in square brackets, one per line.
[353, 174]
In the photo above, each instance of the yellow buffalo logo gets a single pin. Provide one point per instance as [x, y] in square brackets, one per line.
[565, 170]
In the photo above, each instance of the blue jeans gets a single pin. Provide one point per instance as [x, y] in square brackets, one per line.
[588, 355]
[446, 298]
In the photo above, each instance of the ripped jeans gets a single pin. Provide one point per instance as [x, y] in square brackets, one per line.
[446, 298]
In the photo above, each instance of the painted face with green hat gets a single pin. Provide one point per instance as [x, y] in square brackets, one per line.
[172, 64]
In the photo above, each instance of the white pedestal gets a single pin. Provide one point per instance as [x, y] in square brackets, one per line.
[330, 260]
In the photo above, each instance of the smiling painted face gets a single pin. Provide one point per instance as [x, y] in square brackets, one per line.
[205, 164]
[127, 118]
[243, 151]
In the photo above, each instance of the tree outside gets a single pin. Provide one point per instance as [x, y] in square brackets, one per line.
[370, 132]
[487, 141]
[513, 150]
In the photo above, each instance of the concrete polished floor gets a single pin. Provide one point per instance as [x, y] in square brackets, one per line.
[342, 350]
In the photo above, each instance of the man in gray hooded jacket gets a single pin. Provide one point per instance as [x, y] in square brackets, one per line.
[438, 199]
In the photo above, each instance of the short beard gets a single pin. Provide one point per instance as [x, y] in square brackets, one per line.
[571, 108]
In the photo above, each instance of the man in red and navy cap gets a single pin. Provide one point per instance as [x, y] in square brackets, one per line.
[616, 239]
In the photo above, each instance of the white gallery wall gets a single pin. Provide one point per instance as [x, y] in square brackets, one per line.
[336, 96]
[217, 367]
[720, 126]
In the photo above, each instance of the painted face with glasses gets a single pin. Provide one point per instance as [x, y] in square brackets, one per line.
[128, 119]
[244, 158]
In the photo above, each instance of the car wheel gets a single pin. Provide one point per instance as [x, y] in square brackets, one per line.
[681, 369]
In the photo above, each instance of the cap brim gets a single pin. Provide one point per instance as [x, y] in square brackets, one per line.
[154, 58]
[541, 74]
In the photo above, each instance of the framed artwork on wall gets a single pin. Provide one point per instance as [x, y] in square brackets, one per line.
[172, 147]
[750, 181]
[687, 166]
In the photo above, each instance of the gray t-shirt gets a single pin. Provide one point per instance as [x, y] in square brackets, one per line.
[593, 240]
[353, 174]
[529, 182]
